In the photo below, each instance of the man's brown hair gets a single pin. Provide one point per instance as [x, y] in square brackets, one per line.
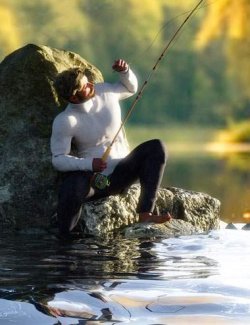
[68, 82]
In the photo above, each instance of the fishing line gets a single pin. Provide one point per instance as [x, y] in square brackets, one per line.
[162, 28]
[140, 92]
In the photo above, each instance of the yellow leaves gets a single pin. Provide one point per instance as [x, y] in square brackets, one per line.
[246, 215]
[211, 26]
[237, 19]
[9, 35]
[228, 18]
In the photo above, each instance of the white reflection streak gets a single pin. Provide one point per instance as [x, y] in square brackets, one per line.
[226, 252]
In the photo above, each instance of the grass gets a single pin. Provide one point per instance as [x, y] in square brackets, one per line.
[170, 133]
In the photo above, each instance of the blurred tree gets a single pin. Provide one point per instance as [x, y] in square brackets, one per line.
[9, 34]
[189, 85]
[123, 29]
[225, 17]
[229, 21]
[47, 22]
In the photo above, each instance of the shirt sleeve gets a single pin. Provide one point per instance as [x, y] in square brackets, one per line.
[129, 80]
[60, 144]
[127, 85]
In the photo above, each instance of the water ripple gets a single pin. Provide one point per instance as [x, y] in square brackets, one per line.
[46, 282]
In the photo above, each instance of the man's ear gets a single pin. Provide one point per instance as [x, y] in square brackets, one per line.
[73, 99]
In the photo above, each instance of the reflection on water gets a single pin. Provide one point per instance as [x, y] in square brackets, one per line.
[200, 279]
[126, 281]
[225, 176]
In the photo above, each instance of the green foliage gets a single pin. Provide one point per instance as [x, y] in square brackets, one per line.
[190, 85]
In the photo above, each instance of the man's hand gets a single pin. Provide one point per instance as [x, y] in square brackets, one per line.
[120, 65]
[98, 165]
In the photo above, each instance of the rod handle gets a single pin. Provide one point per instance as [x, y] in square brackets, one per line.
[106, 153]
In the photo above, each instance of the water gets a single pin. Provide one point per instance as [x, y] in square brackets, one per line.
[201, 279]
[225, 176]
[137, 282]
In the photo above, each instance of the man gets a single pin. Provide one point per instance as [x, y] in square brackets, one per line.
[89, 122]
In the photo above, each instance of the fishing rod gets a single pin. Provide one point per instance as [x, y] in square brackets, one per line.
[139, 95]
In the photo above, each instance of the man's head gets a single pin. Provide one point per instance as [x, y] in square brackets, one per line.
[73, 85]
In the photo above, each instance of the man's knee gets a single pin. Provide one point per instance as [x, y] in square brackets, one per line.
[159, 150]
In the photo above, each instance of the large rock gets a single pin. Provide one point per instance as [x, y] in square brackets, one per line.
[28, 192]
[27, 108]
[193, 212]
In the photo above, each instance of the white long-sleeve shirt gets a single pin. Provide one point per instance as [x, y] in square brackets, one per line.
[91, 126]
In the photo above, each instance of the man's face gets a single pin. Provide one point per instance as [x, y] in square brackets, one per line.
[85, 92]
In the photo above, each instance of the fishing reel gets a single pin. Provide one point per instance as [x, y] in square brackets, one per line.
[100, 181]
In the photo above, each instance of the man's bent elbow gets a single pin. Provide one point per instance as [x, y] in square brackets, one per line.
[134, 88]
[57, 164]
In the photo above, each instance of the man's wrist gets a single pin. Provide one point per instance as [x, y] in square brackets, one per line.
[125, 71]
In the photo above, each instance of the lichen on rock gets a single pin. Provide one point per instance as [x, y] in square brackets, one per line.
[193, 212]
[28, 106]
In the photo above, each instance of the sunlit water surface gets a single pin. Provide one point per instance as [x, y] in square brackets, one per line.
[201, 279]
[223, 175]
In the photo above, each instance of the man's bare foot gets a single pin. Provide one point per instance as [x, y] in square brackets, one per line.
[149, 217]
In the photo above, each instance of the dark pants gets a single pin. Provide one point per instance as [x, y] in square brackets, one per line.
[145, 163]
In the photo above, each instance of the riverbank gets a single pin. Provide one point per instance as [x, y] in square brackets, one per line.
[186, 139]
[171, 134]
